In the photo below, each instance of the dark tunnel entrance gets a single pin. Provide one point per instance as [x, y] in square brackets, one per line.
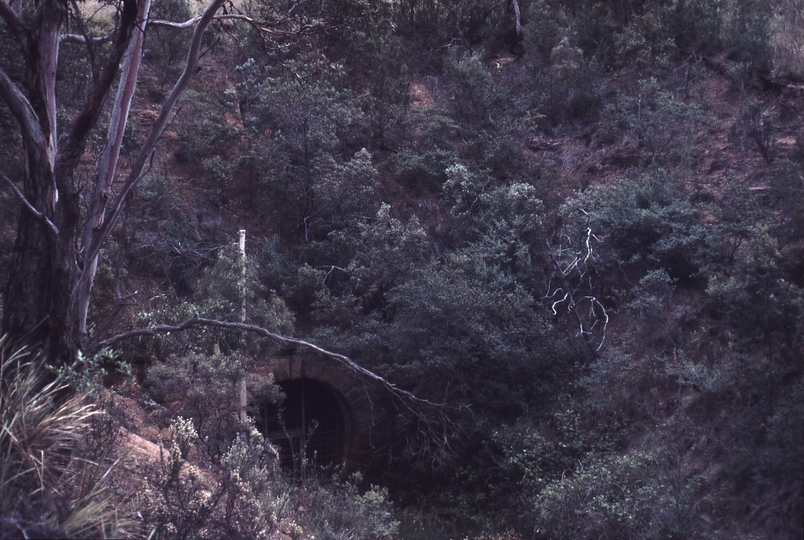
[309, 423]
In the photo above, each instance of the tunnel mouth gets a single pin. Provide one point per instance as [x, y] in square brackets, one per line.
[308, 427]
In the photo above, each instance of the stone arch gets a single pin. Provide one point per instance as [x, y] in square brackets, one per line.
[330, 391]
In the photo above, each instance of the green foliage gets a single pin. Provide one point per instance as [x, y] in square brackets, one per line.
[168, 45]
[207, 137]
[666, 128]
[170, 238]
[746, 34]
[423, 172]
[688, 407]
[340, 511]
[389, 251]
[756, 127]
[572, 94]
[696, 26]
[343, 194]
[630, 495]
[650, 224]
[387, 67]
[206, 389]
[787, 188]
[758, 302]
[309, 146]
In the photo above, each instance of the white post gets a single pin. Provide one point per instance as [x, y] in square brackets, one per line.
[243, 397]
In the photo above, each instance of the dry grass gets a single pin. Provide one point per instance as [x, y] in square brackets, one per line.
[48, 486]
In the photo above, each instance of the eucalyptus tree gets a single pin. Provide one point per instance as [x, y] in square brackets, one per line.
[70, 205]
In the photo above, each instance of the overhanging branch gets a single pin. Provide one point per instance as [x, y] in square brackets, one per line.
[77, 38]
[430, 436]
[260, 27]
[259, 330]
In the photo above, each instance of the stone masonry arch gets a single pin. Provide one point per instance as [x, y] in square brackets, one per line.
[345, 392]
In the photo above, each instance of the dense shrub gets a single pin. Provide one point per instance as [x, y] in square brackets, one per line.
[650, 224]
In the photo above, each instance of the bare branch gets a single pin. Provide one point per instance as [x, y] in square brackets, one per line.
[186, 24]
[80, 39]
[259, 330]
[135, 174]
[23, 111]
[518, 17]
[431, 434]
[79, 20]
[73, 148]
[106, 166]
[226, 17]
[574, 278]
[28, 204]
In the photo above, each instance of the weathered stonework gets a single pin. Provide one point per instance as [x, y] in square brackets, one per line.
[345, 385]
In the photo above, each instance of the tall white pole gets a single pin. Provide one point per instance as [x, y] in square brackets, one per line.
[243, 397]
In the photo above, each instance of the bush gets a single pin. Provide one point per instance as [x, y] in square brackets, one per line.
[755, 127]
[423, 173]
[246, 496]
[663, 125]
[648, 224]
[635, 495]
[170, 42]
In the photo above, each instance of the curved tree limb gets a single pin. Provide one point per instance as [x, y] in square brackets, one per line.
[430, 435]
[225, 17]
[8, 14]
[23, 111]
[596, 319]
[80, 39]
[259, 330]
[29, 206]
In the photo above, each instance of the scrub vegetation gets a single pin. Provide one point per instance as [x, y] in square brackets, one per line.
[573, 230]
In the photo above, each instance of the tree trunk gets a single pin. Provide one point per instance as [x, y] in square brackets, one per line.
[40, 307]
[107, 163]
[30, 292]
[55, 256]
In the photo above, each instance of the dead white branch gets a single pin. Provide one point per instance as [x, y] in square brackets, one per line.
[107, 163]
[226, 17]
[135, 175]
[576, 285]
[80, 39]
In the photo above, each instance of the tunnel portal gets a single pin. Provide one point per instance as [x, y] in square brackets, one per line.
[326, 414]
[308, 423]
